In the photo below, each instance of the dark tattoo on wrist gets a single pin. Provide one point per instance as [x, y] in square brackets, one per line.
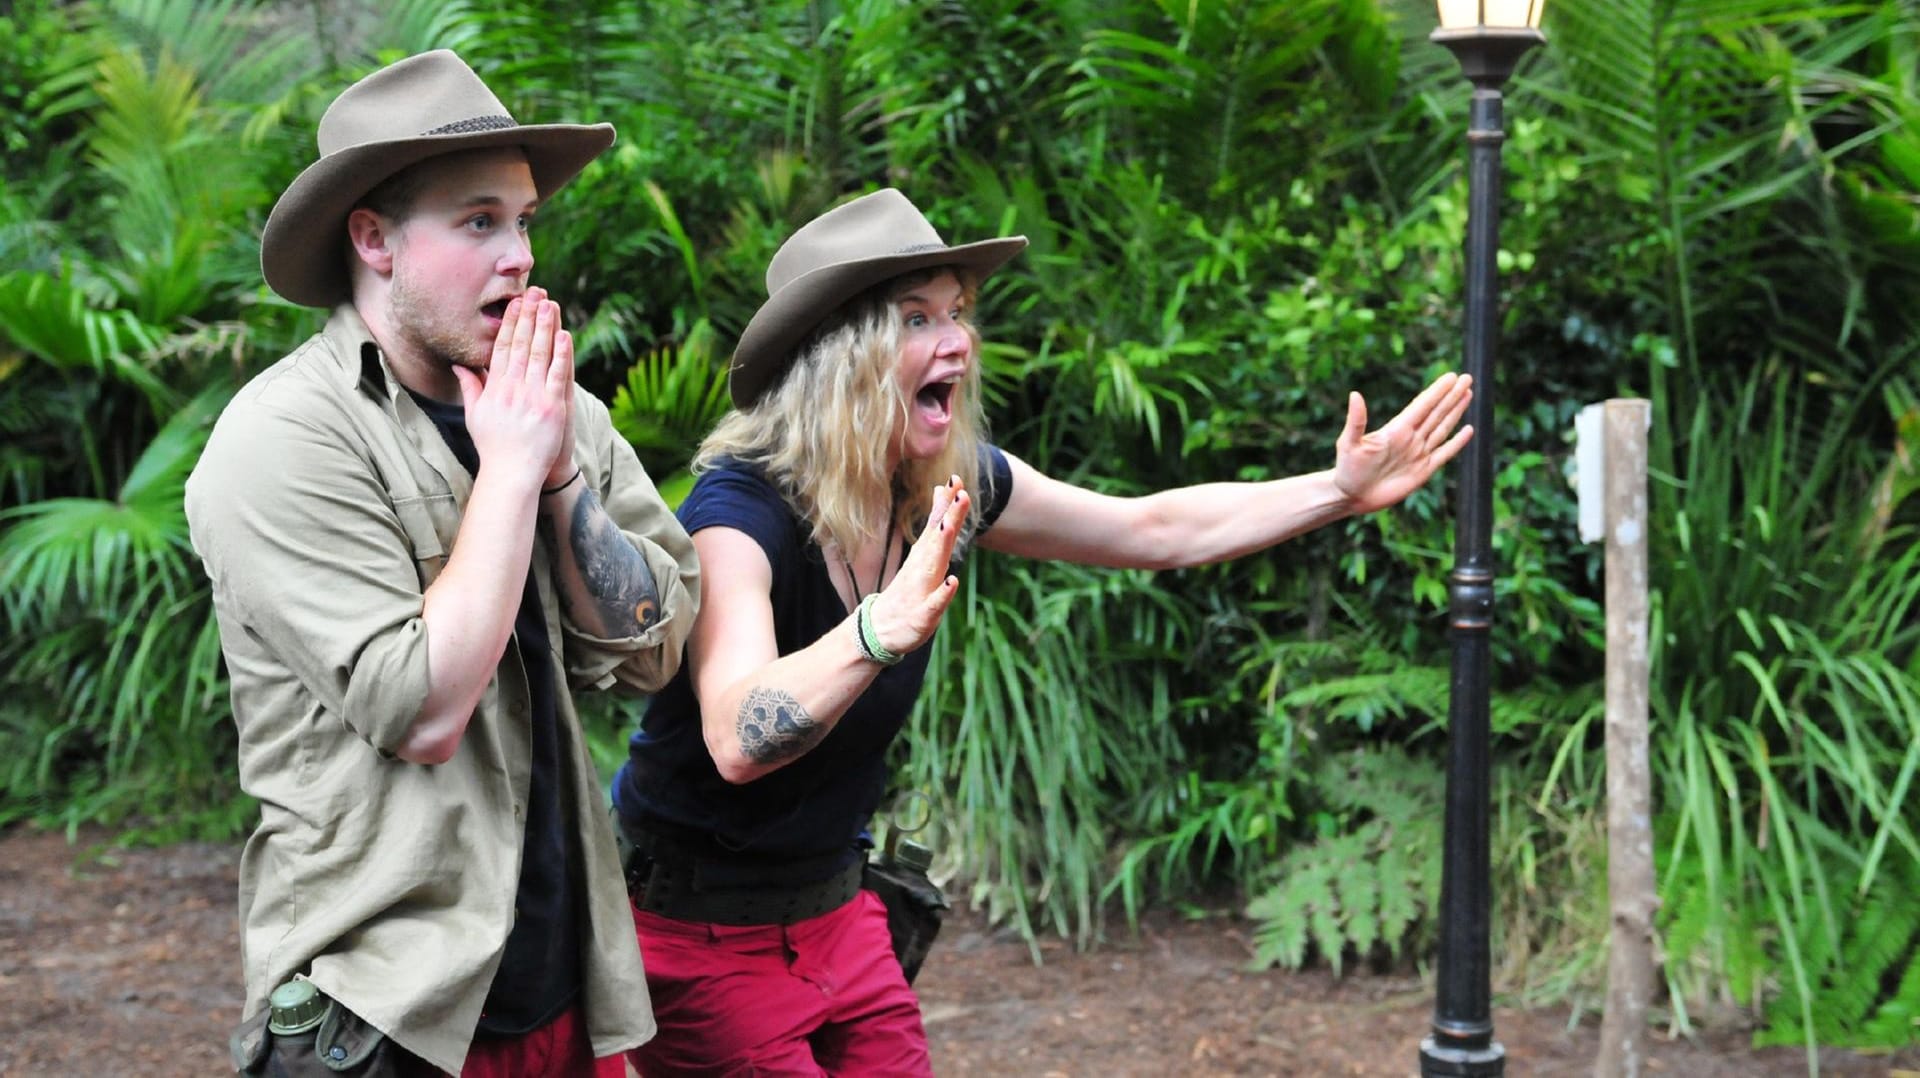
[626, 600]
[775, 728]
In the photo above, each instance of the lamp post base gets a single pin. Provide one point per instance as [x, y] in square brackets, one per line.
[1437, 1061]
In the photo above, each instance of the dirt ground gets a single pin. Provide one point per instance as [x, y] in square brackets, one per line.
[123, 962]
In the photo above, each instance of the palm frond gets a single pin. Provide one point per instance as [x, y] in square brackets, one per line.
[170, 198]
[238, 50]
[51, 320]
[1711, 111]
[1194, 87]
[96, 553]
[672, 397]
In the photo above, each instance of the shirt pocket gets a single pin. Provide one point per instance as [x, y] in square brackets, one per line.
[429, 521]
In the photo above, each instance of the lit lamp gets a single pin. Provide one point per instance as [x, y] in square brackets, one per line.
[1488, 37]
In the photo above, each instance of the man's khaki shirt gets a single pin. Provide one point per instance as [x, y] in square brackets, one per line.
[324, 505]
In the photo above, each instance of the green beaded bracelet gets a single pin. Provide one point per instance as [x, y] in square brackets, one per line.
[869, 641]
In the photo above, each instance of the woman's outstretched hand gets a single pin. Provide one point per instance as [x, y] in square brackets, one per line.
[1378, 468]
[910, 607]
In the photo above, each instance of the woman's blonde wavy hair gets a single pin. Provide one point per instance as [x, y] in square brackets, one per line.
[820, 433]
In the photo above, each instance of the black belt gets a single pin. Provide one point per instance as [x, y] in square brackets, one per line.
[665, 879]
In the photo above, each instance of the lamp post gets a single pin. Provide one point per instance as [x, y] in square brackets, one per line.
[1488, 37]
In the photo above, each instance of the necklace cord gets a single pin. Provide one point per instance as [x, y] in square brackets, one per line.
[886, 555]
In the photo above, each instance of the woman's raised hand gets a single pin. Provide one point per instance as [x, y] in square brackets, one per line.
[1375, 469]
[909, 608]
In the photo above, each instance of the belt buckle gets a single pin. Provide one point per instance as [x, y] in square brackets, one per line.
[637, 868]
[634, 865]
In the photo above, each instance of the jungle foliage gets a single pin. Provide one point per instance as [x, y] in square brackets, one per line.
[1239, 210]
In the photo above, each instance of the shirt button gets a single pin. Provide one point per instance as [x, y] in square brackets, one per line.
[519, 810]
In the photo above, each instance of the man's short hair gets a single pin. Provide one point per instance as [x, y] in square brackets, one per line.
[394, 197]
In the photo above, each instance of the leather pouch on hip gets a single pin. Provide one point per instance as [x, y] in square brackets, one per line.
[321, 1040]
[915, 909]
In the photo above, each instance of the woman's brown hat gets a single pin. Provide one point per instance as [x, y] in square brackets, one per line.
[830, 260]
[400, 115]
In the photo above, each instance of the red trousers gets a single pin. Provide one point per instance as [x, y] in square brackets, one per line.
[821, 997]
[558, 1049]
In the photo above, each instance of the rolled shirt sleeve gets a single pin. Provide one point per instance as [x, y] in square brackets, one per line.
[303, 544]
[645, 662]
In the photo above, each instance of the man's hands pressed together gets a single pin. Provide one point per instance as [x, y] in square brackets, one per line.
[520, 409]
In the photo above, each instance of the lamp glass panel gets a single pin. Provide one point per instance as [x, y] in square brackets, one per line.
[1505, 14]
[1513, 14]
[1459, 14]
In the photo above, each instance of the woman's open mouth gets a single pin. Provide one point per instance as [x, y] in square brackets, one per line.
[935, 402]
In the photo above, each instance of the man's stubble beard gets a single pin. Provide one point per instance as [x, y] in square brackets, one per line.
[419, 319]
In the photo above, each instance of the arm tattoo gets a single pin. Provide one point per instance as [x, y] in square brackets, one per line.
[774, 727]
[626, 600]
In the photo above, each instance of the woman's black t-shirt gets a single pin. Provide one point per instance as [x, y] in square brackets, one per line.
[799, 823]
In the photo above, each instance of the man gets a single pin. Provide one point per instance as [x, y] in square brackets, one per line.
[422, 537]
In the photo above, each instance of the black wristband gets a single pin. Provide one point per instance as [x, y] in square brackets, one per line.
[544, 491]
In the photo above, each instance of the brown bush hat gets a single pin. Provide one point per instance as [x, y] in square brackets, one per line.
[400, 115]
[830, 260]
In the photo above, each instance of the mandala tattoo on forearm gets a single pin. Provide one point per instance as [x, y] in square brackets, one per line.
[774, 727]
[626, 600]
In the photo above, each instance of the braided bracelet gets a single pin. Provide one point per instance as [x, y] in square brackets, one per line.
[544, 491]
[869, 641]
[859, 631]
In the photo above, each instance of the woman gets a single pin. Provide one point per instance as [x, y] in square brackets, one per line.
[830, 510]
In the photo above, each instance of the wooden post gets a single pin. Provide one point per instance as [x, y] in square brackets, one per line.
[1630, 885]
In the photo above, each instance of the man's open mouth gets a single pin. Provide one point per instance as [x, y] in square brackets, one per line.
[497, 309]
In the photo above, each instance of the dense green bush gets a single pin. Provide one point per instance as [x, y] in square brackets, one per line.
[1239, 211]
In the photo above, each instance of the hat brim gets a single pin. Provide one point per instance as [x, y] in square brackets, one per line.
[300, 247]
[784, 320]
